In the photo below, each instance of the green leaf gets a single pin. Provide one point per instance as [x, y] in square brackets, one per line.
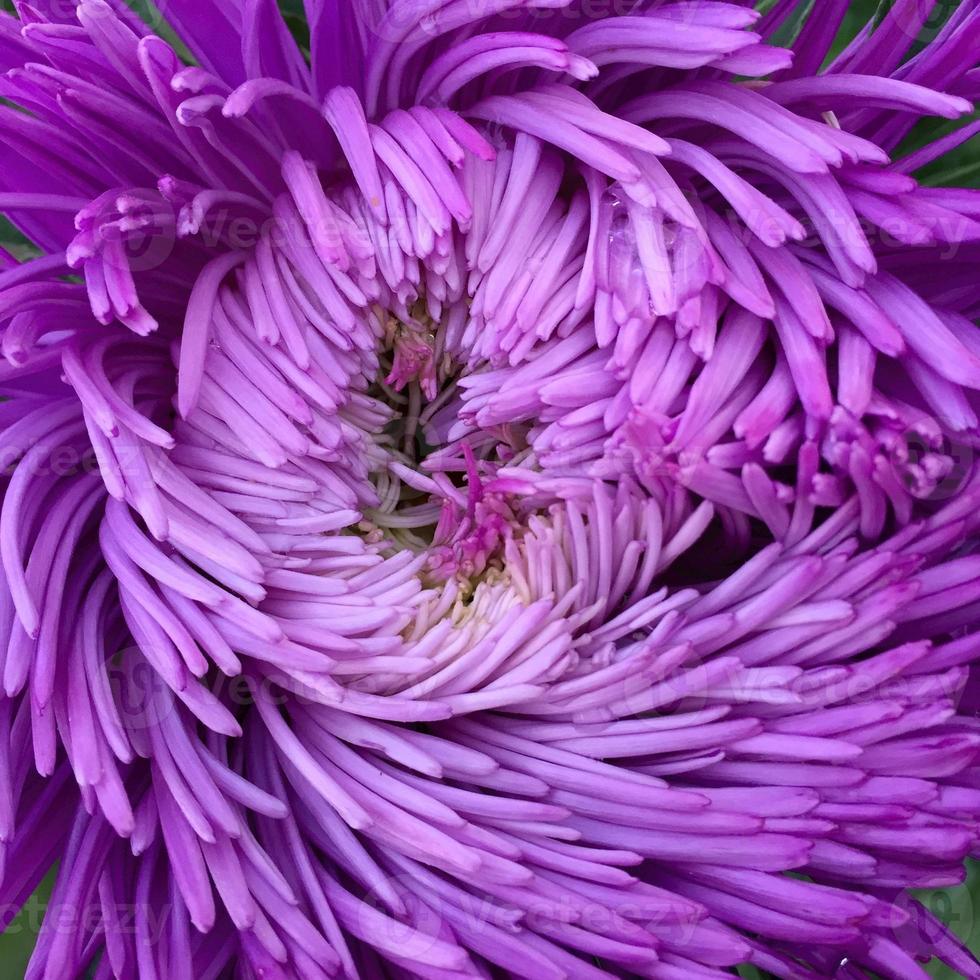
[17, 941]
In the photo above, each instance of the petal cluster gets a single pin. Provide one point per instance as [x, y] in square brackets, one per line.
[489, 491]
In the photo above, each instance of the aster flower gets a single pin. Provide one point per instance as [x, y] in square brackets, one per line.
[489, 494]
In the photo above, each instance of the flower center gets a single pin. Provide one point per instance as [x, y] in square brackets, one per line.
[430, 469]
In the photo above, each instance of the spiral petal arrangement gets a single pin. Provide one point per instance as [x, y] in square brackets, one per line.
[488, 488]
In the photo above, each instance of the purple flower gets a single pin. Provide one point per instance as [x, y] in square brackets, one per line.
[490, 494]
